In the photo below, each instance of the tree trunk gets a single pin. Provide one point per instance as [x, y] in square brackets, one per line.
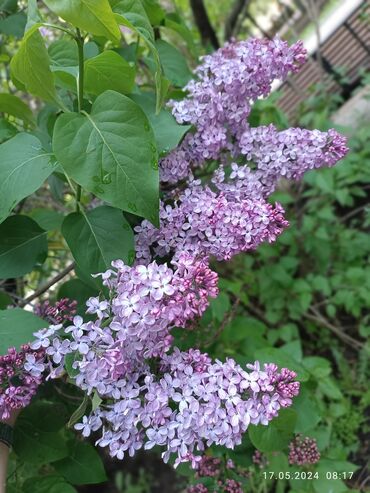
[203, 23]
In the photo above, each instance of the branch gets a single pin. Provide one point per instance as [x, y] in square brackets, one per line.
[48, 285]
[207, 33]
[316, 316]
[232, 20]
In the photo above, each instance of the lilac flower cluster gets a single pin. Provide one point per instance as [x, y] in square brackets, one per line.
[232, 486]
[303, 451]
[214, 467]
[209, 466]
[197, 488]
[219, 101]
[61, 311]
[17, 383]
[188, 403]
[259, 459]
[206, 223]
[289, 153]
[232, 215]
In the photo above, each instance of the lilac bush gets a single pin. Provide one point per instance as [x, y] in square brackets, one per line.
[150, 392]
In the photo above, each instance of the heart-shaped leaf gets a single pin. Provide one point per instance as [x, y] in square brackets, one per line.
[98, 237]
[168, 133]
[17, 327]
[24, 168]
[22, 245]
[12, 105]
[94, 16]
[112, 153]
[30, 67]
[109, 71]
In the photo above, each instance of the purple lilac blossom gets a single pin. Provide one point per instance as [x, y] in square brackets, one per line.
[197, 488]
[208, 466]
[206, 223]
[303, 451]
[57, 313]
[219, 101]
[190, 402]
[20, 376]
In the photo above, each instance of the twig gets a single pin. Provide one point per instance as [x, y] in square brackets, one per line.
[232, 20]
[48, 285]
[316, 316]
[354, 212]
[226, 320]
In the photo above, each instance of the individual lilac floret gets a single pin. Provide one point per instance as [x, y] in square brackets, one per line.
[303, 451]
[20, 376]
[219, 101]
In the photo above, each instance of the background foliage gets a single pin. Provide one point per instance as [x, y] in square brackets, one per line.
[301, 302]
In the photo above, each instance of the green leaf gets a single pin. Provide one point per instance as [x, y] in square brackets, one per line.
[5, 300]
[54, 416]
[293, 349]
[94, 16]
[134, 16]
[8, 6]
[276, 435]
[23, 244]
[168, 133]
[79, 412]
[82, 466]
[220, 306]
[112, 153]
[318, 367]
[13, 25]
[330, 388]
[17, 327]
[33, 14]
[48, 484]
[30, 66]
[326, 482]
[70, 358]
[12, 105]
[48, 219]
[154, 11]
[307, 411]
[38, 447]
[109, 71]
[98, 237]
[131, 14]
[174, 22]
[174, 64]
[24, 168]
[7, 130]
[63, 53]
[95, 401]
